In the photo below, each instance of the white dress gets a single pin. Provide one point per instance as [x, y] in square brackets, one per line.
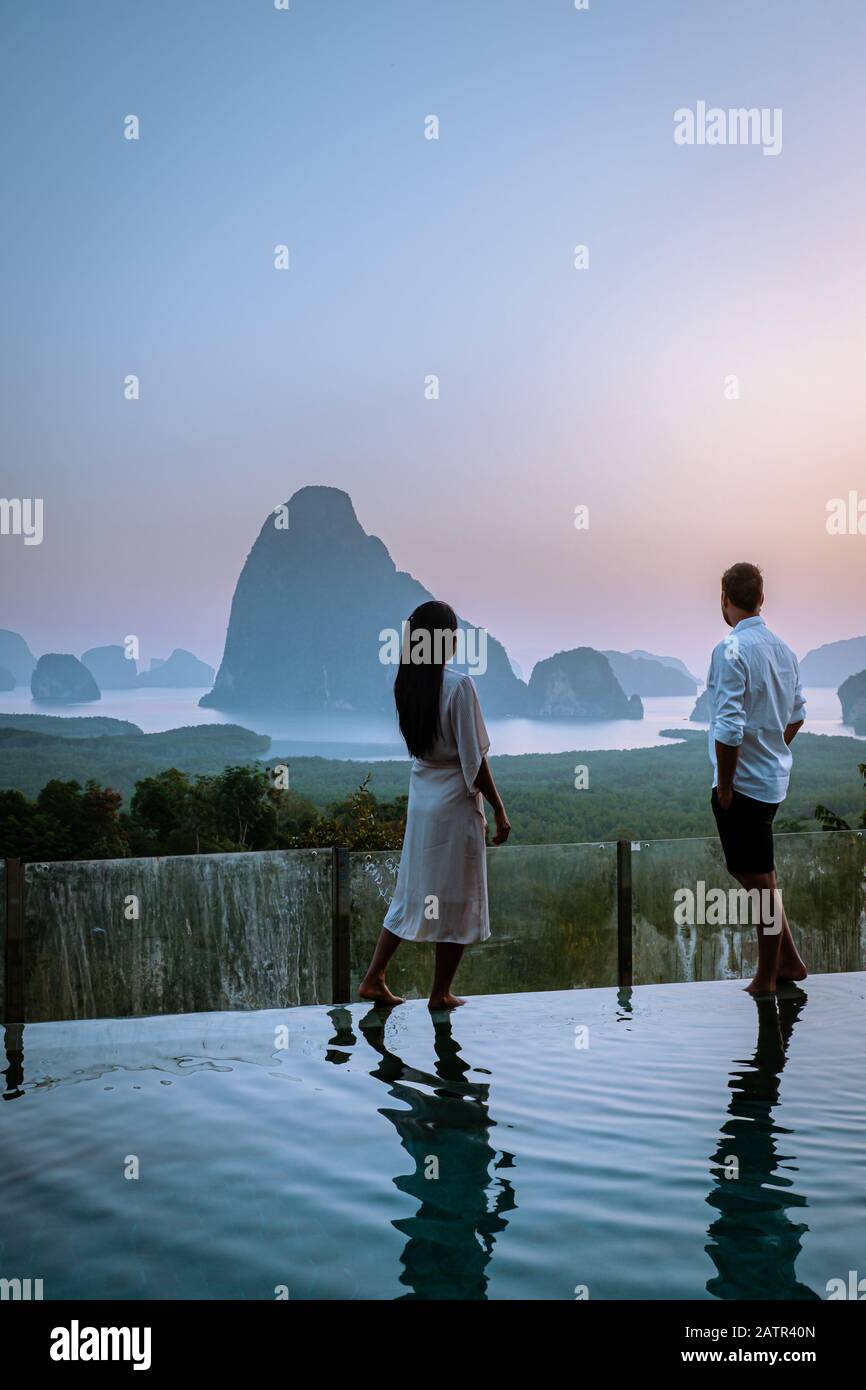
[441, 892]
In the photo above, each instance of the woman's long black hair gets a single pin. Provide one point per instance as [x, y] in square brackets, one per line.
[419, 683]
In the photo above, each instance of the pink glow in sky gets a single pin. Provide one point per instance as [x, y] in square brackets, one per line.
[558, 387]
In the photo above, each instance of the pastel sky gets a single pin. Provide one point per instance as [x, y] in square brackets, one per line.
[408, 257]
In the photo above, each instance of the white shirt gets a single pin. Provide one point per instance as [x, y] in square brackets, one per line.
[754, 694]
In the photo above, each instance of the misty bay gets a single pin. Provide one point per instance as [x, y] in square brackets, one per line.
[345, 734]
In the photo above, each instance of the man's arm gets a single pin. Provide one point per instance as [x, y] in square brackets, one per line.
[729, 723]
[798, 713]
[726, 764]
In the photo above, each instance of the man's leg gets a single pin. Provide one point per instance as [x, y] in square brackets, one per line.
[791, 966]
[769, 926]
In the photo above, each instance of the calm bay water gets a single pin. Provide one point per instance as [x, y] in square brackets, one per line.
[344, 735]
[485, 1155]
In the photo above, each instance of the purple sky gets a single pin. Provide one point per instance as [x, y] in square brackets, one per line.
[409, 257]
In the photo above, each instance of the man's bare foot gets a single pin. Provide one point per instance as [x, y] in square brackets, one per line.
[760, 986]
[377, 992]
[791, 972]
[444, 1001]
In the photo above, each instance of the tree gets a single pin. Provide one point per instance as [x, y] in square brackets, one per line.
[65, 821]
[829, 819]
[359, 823]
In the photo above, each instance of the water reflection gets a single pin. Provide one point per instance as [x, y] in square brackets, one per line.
[754, 1244]
[444, 1124]
[13, 1044]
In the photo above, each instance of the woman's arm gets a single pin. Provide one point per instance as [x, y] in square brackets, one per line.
[487, 787]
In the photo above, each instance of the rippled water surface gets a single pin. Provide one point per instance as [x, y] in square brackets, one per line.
[301, 1148]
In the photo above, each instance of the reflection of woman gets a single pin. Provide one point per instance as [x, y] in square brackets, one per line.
[753, 1243]
[441, 892]
[444, 1125]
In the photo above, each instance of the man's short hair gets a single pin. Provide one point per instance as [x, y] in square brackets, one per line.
[744, 586]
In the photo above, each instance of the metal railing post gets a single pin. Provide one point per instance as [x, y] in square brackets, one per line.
[13, 1008]
[623, 914]
[341, 913]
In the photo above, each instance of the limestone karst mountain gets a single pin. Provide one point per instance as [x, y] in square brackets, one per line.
[646, 675]
[16, 656]
[62, 679]
[110, 667]
[852, 697]
[834, 662]
[701, 712]
[580, 684]
[313, 597]
[182, 670]
[673, 661]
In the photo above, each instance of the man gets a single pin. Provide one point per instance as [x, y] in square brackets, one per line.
[756, 707]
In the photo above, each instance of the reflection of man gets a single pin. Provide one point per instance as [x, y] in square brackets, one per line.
[756, 707]
[753, 1242]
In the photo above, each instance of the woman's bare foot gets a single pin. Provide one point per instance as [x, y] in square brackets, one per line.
[377, 992]
[444, 1001]
[760, 986]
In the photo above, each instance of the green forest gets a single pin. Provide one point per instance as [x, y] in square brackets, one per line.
[211, 789]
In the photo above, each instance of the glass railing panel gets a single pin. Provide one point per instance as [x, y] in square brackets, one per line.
[126, 937]
[823, 882]
[552, 921]
[691, 921]
[2, 939]
[120, 938]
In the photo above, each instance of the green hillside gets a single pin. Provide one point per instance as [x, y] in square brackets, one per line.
[639, 793]
[30, 758]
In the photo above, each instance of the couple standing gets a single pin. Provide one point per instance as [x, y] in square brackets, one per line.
[756, 708]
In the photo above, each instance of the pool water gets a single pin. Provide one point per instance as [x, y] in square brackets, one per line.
[673, 1141]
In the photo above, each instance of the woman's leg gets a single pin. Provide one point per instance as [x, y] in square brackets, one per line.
[373, 985]
[448, 955]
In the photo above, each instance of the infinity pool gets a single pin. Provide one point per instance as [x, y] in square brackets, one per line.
[675, 1141]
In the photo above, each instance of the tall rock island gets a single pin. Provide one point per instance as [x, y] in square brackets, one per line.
[852, 697]
[312, 598]
[580, 684]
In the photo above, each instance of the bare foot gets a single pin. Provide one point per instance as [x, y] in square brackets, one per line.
[792, 971]
[377, 992]
[444, 1001]
[761, 986]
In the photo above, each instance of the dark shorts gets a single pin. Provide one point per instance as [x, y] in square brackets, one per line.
[746, 833]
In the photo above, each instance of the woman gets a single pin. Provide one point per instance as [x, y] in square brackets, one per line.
[441, 892]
